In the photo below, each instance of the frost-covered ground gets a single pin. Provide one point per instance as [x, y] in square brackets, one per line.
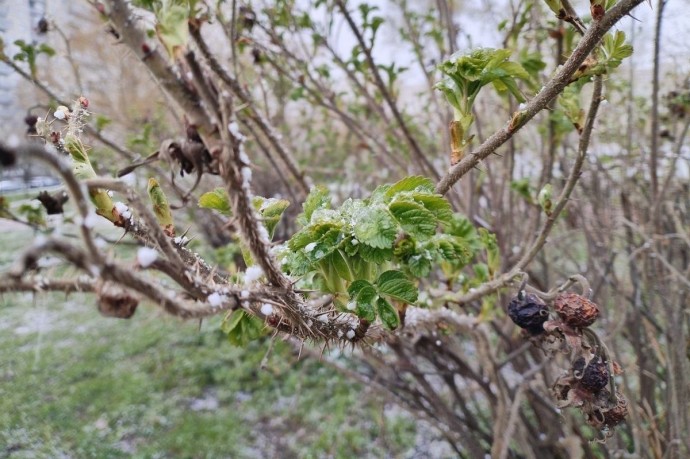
[76, 384]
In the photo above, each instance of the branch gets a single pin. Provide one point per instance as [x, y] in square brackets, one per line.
[550, 91]
[563, 198]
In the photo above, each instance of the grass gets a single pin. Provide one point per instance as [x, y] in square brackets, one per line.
[76, 384]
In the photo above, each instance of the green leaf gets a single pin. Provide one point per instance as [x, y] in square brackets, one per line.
[217, 200]
[363, 294]
[396, 285]
[375, 227]
[271, 210]
[101, 122]
[318, 198]
[326, 233]
[374, 255]
[569, 101]
[453, 249]
[463, 228]
[296, 263]
[481, 271]
[414, 218]
[366, 311]
[413, 183]
[615, 49]
[172, 28]
[523, 188]
[45, 49]
[436, 204]
[419, 265]
[242, 328]
[388, 314]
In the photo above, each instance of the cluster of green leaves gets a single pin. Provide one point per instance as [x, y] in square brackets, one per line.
[467, 74]
[367, 252]
[29, 52]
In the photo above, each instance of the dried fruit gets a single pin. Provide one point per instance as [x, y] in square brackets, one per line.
[528, 312]
[575, 310]
[593, 376]
[617, 414]
[113, 302]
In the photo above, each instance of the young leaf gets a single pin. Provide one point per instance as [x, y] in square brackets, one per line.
[216, 200]
[363, 294]
[415, 219]
[419, 265]
[242, 328]
[271, 211]
[387, 313]
[161, 207]
[436, 204]
[172, 28]
[318, 198]
[615, 49]
[413, 183]
[374, 255]
[375, 227]
[493, 259]
[396, 285]
[339, 264]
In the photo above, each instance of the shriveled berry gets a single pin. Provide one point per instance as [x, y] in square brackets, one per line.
[575, 310]
[528, 312]
[617, 414]
[119, 304]
[593, 377]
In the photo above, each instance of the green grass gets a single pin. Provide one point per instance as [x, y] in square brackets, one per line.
[74, 383]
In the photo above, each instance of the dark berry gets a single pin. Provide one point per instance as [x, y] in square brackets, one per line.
[528, 312]
[593, 377]
[575, 310]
